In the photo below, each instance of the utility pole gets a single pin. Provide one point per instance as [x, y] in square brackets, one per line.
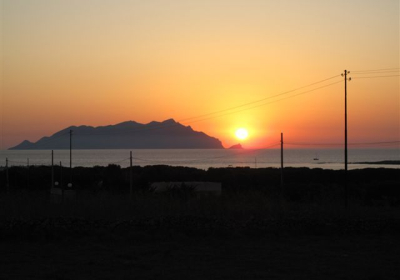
[28, 172]
[130, 176]
[281, 160]
[345, 138]
[61, 182]
[7, 177]
[70, 156]
[52, 169]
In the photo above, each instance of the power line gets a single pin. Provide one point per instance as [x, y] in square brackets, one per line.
[212, 117]
[373, 73]
[372, 70]
[371, 77]
[115, 162]
[160, 126]
[340, 144]
[21, 163]
[260, 100]
[376, 143]
[256, 106]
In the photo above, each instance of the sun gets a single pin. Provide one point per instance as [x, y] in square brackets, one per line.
[241, 133]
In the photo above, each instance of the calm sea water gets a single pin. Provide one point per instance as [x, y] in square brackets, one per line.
[328, 158]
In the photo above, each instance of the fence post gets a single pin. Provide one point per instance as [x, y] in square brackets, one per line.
[7, 177]
[61, 183]
[52, 169]
[130, 176]
[27, 166]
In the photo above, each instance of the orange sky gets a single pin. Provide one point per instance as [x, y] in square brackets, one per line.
[103, 62]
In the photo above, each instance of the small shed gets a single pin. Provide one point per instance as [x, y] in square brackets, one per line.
[58, 195]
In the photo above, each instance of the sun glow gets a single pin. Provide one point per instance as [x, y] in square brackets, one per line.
[241, 133]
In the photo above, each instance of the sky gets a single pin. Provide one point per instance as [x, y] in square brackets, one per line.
[103, 62]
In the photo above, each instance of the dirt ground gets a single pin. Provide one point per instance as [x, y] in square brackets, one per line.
[370, 257]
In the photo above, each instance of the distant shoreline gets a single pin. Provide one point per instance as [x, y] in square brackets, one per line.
[391, 162]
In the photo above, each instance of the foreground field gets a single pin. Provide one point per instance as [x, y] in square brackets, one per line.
[162, 256]
[254, 230]
[188, 238]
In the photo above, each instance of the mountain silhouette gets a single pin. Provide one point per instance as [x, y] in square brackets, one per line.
[168, 134]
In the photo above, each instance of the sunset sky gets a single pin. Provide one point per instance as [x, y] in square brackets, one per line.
[100, 62]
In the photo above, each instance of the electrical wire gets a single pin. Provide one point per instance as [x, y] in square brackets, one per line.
[374, 70]
[371, 77]
[212, 117]
[161, 126]
[373, 73]
[259, 105]
[115, 162]
[340, 144]
[260, 100]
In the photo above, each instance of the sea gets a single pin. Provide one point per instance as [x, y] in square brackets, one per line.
[207, 158]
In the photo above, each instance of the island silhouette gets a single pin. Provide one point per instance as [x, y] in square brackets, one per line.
[167, 134]
[236, 147]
